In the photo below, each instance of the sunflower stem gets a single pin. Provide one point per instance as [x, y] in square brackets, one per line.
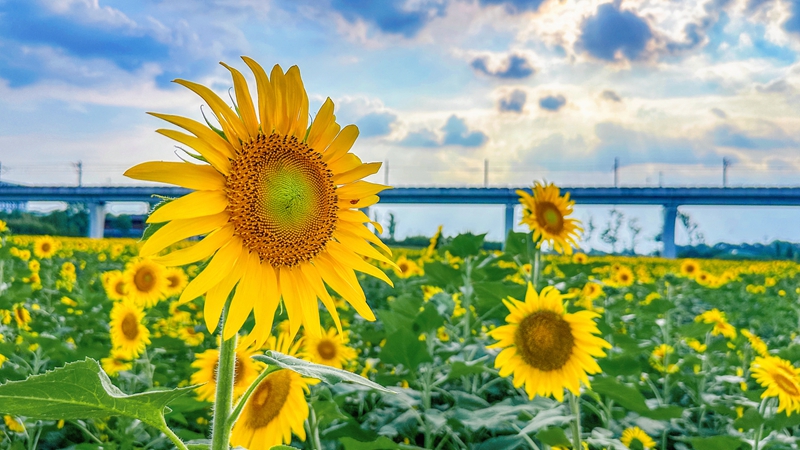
[536, 267]
[575, 406]
[237, 410]
[223, 401]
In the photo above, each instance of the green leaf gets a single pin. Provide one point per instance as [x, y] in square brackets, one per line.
[695, 329]
[517, 244]
[781, 421]
[382, 443]
[623, 365]
[404, 347]
[718, 443]
[428, 319]
[442, 275]
[81, 390]
[630, 398]
[750, 420]
[466, 244]
[554, 436]
[505, 442]
[323, 373]
[459, 369]
[282, 447]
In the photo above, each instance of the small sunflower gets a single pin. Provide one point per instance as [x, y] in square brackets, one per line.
[116, 363]
[407, 268]
[721, 325]
[591, 291]
[145, 282]
[545, 212]
[631, 435]
[623, 277]
[245, 372]
[546, 348]
[45, 247]
[329, 349]
[690, 268]
[115, 286]
[278, 202]
[580, 258]
[176, 281]
[14, 424]
[758, 345]
[781, 379]
[128, 333]
[21, 315]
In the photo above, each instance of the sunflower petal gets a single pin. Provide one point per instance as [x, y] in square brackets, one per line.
[321, 122]
[178, 230]
[358, 173]
[215, 271]
[190, 176]
[201, 250]
[212, 155]
[218, 295]
[194, 204]
[243, 101]
[266, 96]
[225, 115]
[341, 144]
[201, 131]
[245, 296]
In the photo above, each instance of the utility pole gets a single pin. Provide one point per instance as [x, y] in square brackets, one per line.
[79, 167]
[386, 172]
[725, 164]
[660, 179]
[616, 172]
[485, 173]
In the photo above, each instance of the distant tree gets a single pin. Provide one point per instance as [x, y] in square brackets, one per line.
[634, 229]
[611, 234]
[392, 226]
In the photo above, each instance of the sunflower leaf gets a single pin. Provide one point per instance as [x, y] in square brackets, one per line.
[329, 375]
[82, 390]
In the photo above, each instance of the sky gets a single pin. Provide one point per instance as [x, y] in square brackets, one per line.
[440, 89]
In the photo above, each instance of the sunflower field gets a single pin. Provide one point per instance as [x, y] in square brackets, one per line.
[689, 354]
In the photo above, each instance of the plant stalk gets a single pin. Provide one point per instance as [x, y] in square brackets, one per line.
[223, 401]
[575, 406]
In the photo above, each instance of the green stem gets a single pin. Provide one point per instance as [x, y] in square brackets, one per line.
[223, 402]
[466, 298]
[313, 425]
[536, 268]
[575, 406]
[173, 437]
[237, 410]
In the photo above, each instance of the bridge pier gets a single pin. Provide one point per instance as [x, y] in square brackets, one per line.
[509, 225]
[97, 219]
[668, 232]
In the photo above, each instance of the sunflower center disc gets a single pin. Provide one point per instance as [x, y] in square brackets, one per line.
[786, 385]
[549, 217]
[144, 280]
[268, 399]
[173, 281]
[119, 287]
[130, 327]
[46, 247]
[326, 349]
[544, 340]
[282, 200]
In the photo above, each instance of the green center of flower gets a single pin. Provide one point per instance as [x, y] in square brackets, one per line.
[281, 200]
[267, 400]
[544, 340]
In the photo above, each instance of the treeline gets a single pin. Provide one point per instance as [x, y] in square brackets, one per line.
[73, 221]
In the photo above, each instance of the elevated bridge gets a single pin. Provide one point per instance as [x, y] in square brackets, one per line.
[669, 198]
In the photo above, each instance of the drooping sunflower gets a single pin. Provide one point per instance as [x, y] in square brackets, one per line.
[721, 325]
[629, 435]
[128, 334]
[176, 281]
[781, 379]
[14, 424]
[329, 349]
[545, 212]
[278, 202]
[546, 348]
[21, 315]
[45, 247]
[690, 268]
[245, 372]
[145, 282]
[758, 344]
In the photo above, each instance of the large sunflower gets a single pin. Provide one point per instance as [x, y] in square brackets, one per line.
[128, 333]
[545, 212]
[45, 247]
[781, 379]
[145, 282]
[546, 348]
[329, 349]
[245, 372]
[278, 202]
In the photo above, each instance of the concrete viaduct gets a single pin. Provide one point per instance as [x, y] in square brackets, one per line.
[669, 198]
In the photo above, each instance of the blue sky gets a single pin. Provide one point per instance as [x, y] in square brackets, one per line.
[542, 89]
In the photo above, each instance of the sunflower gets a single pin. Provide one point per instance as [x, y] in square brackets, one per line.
[329, 349]
[546, 348]
[781, 379]
[116, 363]
[245, 372]
[591, 291]
[145, 282]
[278, 202]
[546, 214]
[14, 424]
[637, 434]
[128, 334]
[21, 315]
[580, 258]
[721, 325]
[115, 286]
[690, 268]
[407, 268]
[176, 281]
[758, 345]
[623, 277]
[45, 247]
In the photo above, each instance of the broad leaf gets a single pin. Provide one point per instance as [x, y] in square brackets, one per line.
[630, 398]
[327, 374]
[718, 443]
[554, 436]
[81, 390]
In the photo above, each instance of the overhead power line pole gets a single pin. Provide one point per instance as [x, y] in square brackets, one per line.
[725, 164]
[485, 173]
[79, 167]
[616, 172]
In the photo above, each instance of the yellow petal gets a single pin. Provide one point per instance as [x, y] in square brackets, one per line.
[347, 162]
[290, 300]
[321, 122]
[358, 173]
[360, 246]
[341, 144]
[245, 296]
[178, 230]
[225, 115]
[340, 281]
[278, 81]
[190, 176]
[195, 204]
[341, 253]
[201, 131]
[326, 137]
[214, 157]
[266, 97]
[216, 270]
[198, 251]
[243, 101]
[218, 295]
[298, 102]
[265, 307]
[308, 303]
[315, 280]
[360, 189]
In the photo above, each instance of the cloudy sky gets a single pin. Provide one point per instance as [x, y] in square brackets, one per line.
[541, 89]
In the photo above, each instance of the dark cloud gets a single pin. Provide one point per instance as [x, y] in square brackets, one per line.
[25, 23]
[793, 24]
[552, 102]
[515, 6]
[516, 67]
[611, 95]
[514, 102]
[729, 136]
[719, 113]
[376, 124]
[390, 16]
[457, 133]
[714, 20]
[611, 32]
